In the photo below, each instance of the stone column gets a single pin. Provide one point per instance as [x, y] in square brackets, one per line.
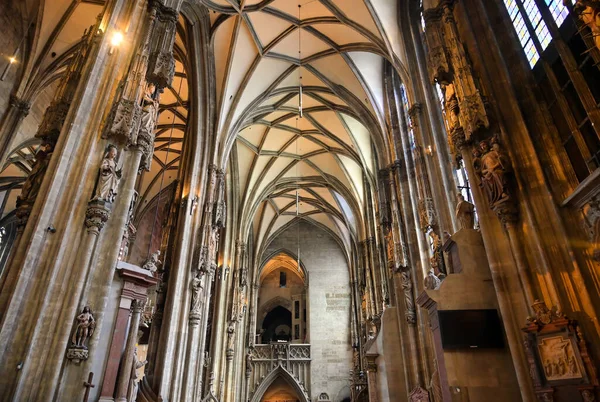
[507, 214]
[137, 306]
[136, 282]
[17, 110]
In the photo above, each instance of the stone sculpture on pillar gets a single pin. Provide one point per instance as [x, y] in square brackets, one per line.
[145, 137]
[108, 177]
[32, 184]
[134, 381]
[196, 305]
[84, 330]
[493, 169]
[152, 262]
[465, 213]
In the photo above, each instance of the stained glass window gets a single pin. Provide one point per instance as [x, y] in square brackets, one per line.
[522, 31]
[558, 10]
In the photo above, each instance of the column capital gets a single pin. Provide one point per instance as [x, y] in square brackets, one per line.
[22, 106]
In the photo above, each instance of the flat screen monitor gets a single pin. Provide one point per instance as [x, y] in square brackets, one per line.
[470, 329]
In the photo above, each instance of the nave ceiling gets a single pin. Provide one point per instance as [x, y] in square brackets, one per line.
[263, 52]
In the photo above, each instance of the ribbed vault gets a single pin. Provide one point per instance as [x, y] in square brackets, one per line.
[328, 55]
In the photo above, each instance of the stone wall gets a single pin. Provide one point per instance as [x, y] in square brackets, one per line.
[328, 308]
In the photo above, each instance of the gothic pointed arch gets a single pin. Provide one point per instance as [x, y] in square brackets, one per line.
[279, 372]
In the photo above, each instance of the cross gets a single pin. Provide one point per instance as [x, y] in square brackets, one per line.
[88, 384]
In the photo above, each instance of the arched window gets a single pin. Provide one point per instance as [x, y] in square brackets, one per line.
[565, 62]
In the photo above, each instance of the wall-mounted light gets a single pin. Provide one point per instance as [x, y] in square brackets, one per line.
[11, 60]
[115, 41]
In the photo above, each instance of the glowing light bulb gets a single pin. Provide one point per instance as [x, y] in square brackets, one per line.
[12, 60]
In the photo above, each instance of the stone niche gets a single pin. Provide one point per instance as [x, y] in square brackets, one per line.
[466, 374]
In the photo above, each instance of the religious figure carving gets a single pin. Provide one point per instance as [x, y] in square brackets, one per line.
[196, 294]
[437, 257]
[145, 136]
[149, 109]
[465, 213]
[492, 167]
[432, 281]
[31, 186]
[85, 328]
[409, 302]
[108, 177]
[134, 379]
[152, 262]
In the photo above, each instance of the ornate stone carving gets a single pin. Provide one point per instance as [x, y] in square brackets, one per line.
[84, 330]
[230, 340]
[437, 257]
[53, 120]
[220, 208]
[32, 184]
[108, 177]
[465, 213]
[409, 301]
[493, 169]
[152, 263]
[134, 379]
[439, 62]
[161, 64]
[124, 121]
[96, 215]
[144, 138]
[77, 355]
[427, 215]
[196, 304]
[432, 281]
[557, 353]
[249, 358]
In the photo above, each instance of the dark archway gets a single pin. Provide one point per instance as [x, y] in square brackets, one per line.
[277, 325]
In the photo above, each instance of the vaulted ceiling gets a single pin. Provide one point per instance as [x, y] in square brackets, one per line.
[334, 50]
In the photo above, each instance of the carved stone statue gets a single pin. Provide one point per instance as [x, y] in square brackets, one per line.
[134, 379]
[492, 167]
[465, 213]
[196, 294]
[152, 262]
[108, 177]
[145, 136]
[437, 257]
[149, 109]
[31, 186]
[431, 281]
[85, 328]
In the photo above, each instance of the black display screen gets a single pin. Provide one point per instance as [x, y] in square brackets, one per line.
[467, 329]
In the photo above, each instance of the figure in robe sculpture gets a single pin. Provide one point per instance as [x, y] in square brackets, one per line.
[108, 177]
[465, 213]
[31, 186]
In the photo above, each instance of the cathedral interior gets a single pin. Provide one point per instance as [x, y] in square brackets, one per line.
[299, 200]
